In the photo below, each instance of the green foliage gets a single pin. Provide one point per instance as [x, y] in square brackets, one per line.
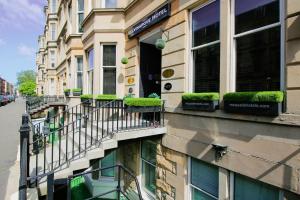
[153, 95]
[209, 96]
[264, 96]
[124, 60]
[27, 88]
[86, 96]
[67, 90]
[26, 76]
[78, 188]
[76, 90]
[142, 102]
[106, 97]
[160, 44]
[128, 96]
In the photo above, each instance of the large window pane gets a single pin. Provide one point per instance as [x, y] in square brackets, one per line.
[258, 61]
[149, 151]
[80, 5]
[110, 3]
[206, 24]
[148, 177]
[252, 14]
[205, 177]
[79, 72]
[198, 195]
[248, 189]
[91, 58]
[109, 55]
[207, 68]
[108, 161]
[80, 20]
[109, 80]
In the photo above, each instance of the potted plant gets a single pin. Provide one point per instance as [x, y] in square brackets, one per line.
[104, 99]
[201, 101]
[268, 103]
[77, 92]
[67, 92]
[142, 104]
[86, 99]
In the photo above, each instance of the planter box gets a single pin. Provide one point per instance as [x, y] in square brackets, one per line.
[253, 108]
[67, 94]
[105, 103]
[87, 101]
[144, 109]
[209, 106]
[77, 94]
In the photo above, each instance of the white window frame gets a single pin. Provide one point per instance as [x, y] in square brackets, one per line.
[77, 72]
[191, 186]
[234, 36]
[90, 70]
[102, 64]
[78, 13]
[53, 31]
[191, 83]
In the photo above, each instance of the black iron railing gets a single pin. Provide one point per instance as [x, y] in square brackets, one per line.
[36, 102]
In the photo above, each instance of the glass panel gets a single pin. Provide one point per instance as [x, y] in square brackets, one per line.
[80, 20]
[205, 177]
[108, 161]
[258, 61]
[80, 5]
[149, 151]
[252, 14]
[91, 82]
[109, 55]
[110, 3]
[248, 189]
[206, 24]
[79, 80]
[207, 68]
[79, 64]
[198, 195]
[91, 58]
[148, 177]
[109, 81]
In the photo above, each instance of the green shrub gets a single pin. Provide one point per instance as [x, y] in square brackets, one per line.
[209, 96]
[128, 96]
[86, 96]
[76, 90]
[142, 102]
[67, 90]
[106, 97]
[264, 96]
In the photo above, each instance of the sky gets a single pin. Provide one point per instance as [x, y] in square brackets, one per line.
[21, 22]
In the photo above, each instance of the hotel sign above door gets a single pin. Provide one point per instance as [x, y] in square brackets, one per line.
[157, 16]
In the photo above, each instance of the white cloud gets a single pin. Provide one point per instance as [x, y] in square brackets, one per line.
[19, 13]
[2, 42]
[26, 50]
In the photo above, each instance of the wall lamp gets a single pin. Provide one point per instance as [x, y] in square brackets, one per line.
[220, 150]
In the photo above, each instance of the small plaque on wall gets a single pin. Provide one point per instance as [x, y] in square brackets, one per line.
[130, 80]
[168, 73]
[168, 86]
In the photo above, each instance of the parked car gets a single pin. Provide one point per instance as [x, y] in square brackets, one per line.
[11, 98]
[4, 100]
[1, 99]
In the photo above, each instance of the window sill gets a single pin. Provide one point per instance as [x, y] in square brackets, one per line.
[282, 119]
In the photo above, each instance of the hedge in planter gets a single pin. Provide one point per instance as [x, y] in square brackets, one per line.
[268, 103]
[201, 101]
[67, 92]
[77, 92]
[86, 98]
[142, 104]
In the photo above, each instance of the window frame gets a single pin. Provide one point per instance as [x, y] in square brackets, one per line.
[79, 72]
[90, 71]
[79, 12]
[53, 31]
[234, 37]
[191, 83]
[102, 64]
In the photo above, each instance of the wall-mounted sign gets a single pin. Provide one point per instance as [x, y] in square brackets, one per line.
[130, 90]
[130, 80]
[168, 73]
[168, 86]
[157, 16]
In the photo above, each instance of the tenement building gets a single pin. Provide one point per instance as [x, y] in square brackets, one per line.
[227, 71]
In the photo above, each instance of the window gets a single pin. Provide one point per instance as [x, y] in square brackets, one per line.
[206, 47]
[204, 181]
[52, 58]
[109, 69]
[79, 72]
[53, 31]
[109, 3]
[80, 15]
[108, 161]
[149, 166]
[257, 39]
[248, 189]
[70, 16]
[53, 6]
[90, 56]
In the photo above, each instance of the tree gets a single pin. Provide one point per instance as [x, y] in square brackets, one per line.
[26, 76]
[27, 88]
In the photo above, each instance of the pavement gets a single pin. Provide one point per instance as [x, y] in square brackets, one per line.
[10, 121]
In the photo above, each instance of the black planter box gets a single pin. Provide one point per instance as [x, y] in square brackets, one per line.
[77, 94]
[209, 106]
[67, 94]
[118, 103]
[144, 109]
[253, 108]
[87, 101]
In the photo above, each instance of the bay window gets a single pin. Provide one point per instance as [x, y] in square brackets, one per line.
[109, 69]
[204, 181]
[80, 15]
[79, 71]
[257, 39]
[148, 159]
[206, 47]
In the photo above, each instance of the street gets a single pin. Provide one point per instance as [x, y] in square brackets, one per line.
[10, 121]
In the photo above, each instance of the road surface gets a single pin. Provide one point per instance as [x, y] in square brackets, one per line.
[10, 121]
